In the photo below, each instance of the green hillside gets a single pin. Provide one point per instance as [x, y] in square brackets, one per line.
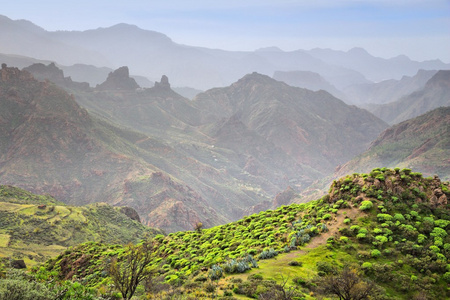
[37, 227]
[389, 228]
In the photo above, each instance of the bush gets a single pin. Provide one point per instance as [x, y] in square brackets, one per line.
[215, 273]
[375, 253]
[13, 289]
[325, 268]
[367, 267]
[366, 205]
[295, 263]
[210, 287]
[256, 277]
[266, 254]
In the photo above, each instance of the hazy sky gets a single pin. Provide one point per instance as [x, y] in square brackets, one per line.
[386, 28]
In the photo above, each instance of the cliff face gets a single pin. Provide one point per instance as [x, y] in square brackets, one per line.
[118, 80]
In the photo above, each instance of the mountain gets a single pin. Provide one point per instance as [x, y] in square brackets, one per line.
[49, 144]
[388, 90]
[308, 80]
[422, 143]
[233, 160]
[436, 93]
[375, 68]
[315, 129]
[151, 54]
[24, 38]
[37, 227]
[52, 73]
[386, 228]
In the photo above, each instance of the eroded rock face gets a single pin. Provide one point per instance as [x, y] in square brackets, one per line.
[118, 80]
[164, 83]
[130, 212]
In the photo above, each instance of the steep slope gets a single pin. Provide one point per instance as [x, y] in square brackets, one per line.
[422, 143]
[388, 226]
[388, 90]
[37, 227]
[314, 128]
[49, 144]
[436, 93]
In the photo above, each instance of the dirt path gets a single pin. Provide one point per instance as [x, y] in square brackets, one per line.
[333, 230]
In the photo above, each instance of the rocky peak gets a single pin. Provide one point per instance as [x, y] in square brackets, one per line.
[54, 74]
[119, 80]
[164, 83]
[50, 72]
[13, 74]
[441, 78]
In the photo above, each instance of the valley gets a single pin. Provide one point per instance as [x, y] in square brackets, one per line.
[136, 167]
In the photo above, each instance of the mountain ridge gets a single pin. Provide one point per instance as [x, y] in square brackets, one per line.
[435, 93]
[195, 67]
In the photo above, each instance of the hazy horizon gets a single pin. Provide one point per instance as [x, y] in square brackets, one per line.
[386, 29]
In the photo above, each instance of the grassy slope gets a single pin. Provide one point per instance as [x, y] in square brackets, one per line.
[36, 234]
[402, 246]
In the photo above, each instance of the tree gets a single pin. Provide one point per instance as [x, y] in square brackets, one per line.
[347, 285]
[198, 227]
[281, 291]
[128, 270]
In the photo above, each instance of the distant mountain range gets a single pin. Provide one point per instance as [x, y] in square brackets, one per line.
[210, 159]
[435, 93]
[151, 54]
[86, 132]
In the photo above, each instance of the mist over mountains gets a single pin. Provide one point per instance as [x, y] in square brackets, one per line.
[101, 109]
[152, 54]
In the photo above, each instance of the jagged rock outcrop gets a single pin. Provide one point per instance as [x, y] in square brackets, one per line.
[54, 74]
[118, 80]
[163, 84]
[13, 74]
[130, 212]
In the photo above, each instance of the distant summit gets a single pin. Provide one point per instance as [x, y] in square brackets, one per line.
[118, 80]
[269, 49]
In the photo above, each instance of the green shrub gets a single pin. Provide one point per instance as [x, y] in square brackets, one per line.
[366, 205]
[446, 277]
[326, 217]
[295, 263]
[14, 289]
[366, 266]
[375, 253]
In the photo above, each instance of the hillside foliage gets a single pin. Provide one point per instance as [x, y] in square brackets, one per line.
[389, 227]
[37, 227]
